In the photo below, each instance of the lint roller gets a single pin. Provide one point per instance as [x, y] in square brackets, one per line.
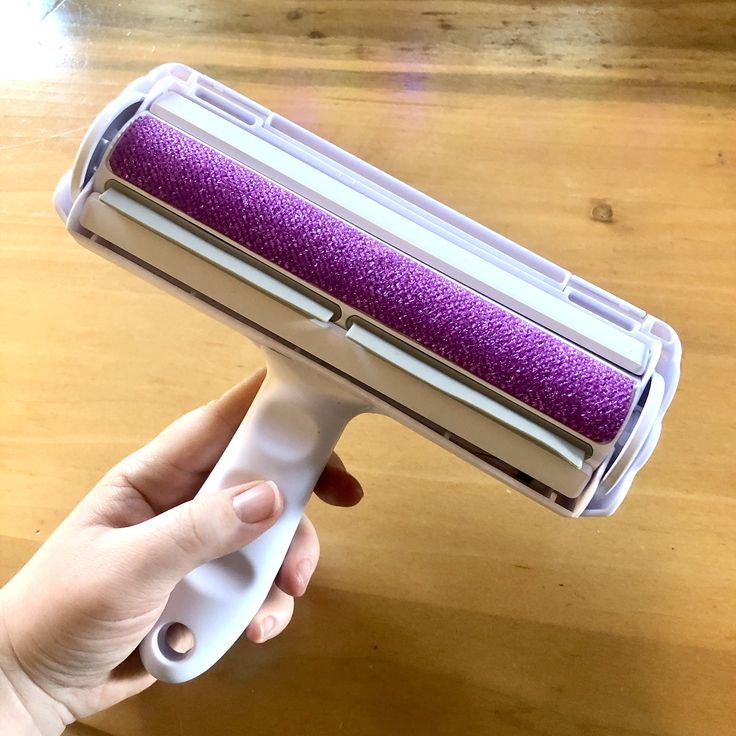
[367, 296]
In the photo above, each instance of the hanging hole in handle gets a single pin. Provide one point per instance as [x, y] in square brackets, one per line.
[176, 641]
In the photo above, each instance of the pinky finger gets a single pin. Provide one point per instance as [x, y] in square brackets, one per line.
[272, 617]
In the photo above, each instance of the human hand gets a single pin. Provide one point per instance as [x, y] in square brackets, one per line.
[72, 618]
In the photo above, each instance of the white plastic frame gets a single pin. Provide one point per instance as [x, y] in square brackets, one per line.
[580, 301]
[329, 362]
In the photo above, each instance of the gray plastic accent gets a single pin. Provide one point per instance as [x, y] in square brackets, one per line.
[433, 375]
[216, 255]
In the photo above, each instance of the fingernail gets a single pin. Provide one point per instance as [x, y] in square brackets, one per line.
[268, 625]
[258, 503]
[304, 573]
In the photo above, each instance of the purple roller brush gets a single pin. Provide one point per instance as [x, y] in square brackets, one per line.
[366, 296]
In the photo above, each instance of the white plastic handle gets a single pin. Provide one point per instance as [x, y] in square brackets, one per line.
[287, 436]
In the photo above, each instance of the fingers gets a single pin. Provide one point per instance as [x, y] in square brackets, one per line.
[300, 561]
[172, 467]
[336, 486]
[273, 616]
[292, 580]
[162, 550]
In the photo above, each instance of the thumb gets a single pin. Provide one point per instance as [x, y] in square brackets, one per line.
[172, 544]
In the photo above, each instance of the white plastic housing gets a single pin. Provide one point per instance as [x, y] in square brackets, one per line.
[347, 364]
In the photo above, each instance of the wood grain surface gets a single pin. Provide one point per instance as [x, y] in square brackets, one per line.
[600, 134]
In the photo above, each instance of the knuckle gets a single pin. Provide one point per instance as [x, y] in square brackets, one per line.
[188, 533]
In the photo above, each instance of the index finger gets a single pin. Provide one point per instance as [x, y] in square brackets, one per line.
[172, 467]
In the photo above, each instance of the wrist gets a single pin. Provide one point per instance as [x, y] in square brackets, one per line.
[25, 709]
[14, 716]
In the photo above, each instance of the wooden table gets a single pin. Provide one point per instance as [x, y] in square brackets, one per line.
[600, 135]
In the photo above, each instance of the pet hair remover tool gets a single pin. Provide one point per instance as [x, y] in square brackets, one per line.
[366, 296]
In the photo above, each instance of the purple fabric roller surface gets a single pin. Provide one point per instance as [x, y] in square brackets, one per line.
[463, 327]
